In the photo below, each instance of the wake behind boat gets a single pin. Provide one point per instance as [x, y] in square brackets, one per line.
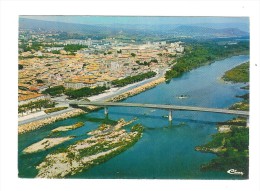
[182, 97]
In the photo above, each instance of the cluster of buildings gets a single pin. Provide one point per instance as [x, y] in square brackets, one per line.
[98, 65]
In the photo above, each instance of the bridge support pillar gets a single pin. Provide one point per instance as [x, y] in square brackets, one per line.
[106, 111]
[247, 122]
[170, 115]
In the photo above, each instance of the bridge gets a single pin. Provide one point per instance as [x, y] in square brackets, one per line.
[170, 108]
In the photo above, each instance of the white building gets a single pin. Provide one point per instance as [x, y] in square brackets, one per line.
[114, 66]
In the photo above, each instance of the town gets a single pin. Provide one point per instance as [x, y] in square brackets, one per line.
[106, 101]
[47, 62]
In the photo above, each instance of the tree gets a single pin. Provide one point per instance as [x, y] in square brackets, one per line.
[20, 67]
[56, 90]
[39, 81]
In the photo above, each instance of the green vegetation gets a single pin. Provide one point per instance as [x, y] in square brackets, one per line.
[54, 91]
[67, 128]
[106, 146]
[32, 56]
[133, 54]
[238, 74]
[35, 105]
[55, 52]
[51, 110]
[39, 81]
[20, 67]
[29, 47]
[232, 150]
[243, 105]
[133, 79]
[171, 55]
[203, 54]
[78, 124]
[145, 63]
[231, 145]
[245, 87]
[106, 143]
[137, 128]
[23, 88]
[84, 92]
[74, 47]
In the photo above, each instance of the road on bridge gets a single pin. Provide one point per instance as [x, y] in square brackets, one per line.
[161, 106]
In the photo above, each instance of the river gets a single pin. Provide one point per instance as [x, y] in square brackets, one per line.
[166, 150]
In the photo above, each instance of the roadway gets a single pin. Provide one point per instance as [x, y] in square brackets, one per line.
[43, 116]
[161, 106]
[62, 101]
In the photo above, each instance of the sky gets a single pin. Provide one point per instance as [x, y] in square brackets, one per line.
[139, 20]
[241, 22]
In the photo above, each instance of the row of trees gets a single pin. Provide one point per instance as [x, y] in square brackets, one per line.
[34, 46]
[74, 94]
[145, 63]
[74, 47]
[133, 79]
[84, 92]
[205, 53]
[36, 105]
[54, 91]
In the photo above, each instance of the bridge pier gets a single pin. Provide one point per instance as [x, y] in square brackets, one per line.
[170, 115]
[247, 122]
[106, 111]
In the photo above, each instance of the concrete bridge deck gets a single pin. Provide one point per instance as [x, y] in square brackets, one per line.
[161, 106]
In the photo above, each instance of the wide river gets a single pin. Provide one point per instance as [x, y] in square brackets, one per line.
[166, 150]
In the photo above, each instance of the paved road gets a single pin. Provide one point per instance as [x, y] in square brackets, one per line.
[166, 107]
[132, 86]
[44, 116]
[63, 102]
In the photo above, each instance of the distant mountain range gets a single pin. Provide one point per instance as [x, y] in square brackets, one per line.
[116, 29]
[204, 31]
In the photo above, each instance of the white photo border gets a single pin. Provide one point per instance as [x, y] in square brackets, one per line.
[10, 11]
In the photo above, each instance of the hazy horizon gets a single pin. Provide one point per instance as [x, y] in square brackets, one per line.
[241, 23]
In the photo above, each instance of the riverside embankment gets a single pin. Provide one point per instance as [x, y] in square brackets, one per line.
[166, 150]
[45, 120]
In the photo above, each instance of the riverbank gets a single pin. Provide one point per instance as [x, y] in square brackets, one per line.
[205, 54]
[45, 144]
[239, 74]
[75, 112]
[105, 142]
[68, 128]
[231, 143]
[137, 90]
[48, 120]
[140, 161]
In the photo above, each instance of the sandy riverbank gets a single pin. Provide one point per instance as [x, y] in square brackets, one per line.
[137, 90]
[40, 123]
[45, 144]
[104, 144]
[48, 120]
[130, 93]
[68, 128]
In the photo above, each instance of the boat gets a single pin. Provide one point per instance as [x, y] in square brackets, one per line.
[182, 96]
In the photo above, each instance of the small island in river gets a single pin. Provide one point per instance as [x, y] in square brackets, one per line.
[69, 127]
[45, 144]
[104, 143]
